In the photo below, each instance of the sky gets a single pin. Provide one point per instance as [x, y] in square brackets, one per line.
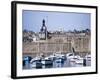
[55, 21]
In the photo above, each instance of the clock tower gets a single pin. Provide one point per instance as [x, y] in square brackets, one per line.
[43, 31]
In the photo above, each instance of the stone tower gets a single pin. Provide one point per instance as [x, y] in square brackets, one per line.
[43, 31]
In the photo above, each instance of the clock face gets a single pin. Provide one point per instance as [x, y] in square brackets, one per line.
[43, 28]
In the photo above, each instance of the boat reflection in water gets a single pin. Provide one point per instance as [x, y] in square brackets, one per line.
[57, 61]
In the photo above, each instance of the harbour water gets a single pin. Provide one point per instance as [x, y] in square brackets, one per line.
[57, 64]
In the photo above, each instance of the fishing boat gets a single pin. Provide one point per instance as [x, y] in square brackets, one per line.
[79, 61]
[74, 58]
[35, 59]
